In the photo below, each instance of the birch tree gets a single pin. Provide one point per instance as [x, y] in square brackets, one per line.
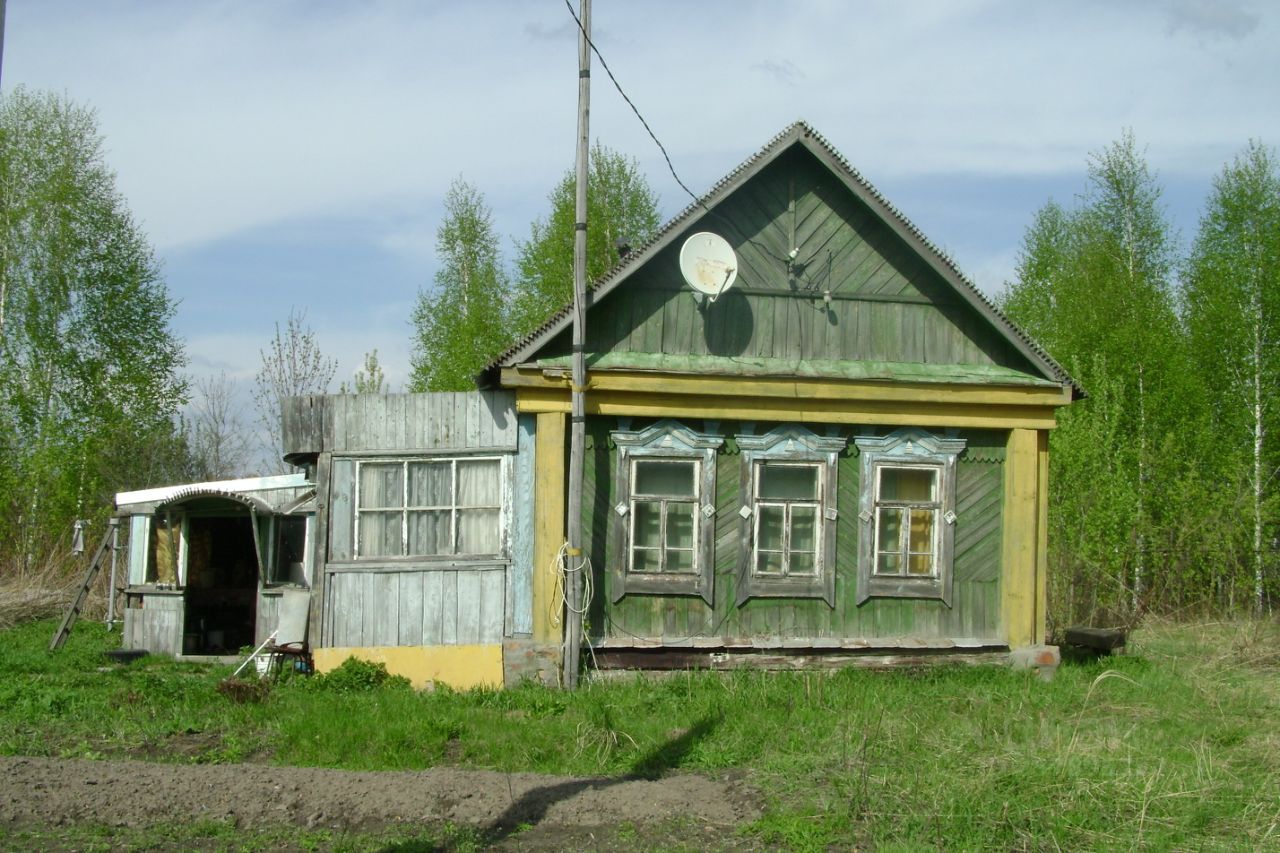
[1233, 317]
[1095, 286]
[462, 323]
[89, 364]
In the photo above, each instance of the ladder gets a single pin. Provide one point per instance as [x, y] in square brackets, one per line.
[68, 621]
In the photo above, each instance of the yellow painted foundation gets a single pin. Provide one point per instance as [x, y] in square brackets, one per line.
[459, 667]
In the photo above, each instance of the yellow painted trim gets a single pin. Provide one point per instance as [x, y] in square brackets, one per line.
[1042, 543]
[460, 667]
[870, 412]
[798, 389]
[1019, 582]
[548, 524]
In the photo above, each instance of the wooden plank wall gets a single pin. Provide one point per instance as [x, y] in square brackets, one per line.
[886, 304]
[414, 607]
[409, 603]
[268, 616]
[973, 617]
[362, 423]
[155, 626]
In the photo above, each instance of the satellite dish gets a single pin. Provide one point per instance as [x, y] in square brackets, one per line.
[708, 264]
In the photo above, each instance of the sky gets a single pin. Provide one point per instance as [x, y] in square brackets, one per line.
[291, 154]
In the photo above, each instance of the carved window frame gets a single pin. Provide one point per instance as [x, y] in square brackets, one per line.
[789, 446]
[667, 440]
[910, 448]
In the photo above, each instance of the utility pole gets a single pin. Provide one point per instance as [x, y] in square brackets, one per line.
[1, 35]
[575, 560]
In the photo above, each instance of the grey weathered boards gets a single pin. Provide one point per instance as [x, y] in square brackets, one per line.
[392, 600]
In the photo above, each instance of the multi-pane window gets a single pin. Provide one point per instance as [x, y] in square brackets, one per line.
[664, 515]
[664, 518]
[907, 515]
[788, 506]
[788, 514]
[426, 508]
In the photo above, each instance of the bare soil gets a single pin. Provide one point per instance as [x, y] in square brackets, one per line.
[47, 792]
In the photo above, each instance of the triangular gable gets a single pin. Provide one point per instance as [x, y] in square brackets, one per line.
[801, 136]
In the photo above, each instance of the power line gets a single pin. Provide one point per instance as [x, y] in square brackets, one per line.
[618, 86]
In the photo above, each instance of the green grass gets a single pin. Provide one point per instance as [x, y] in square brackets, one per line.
[1175, 746]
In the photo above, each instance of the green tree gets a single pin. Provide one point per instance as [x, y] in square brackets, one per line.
[89, 366]
[1232, 310]
[1095, 286]
[461, 324]
[620, 206]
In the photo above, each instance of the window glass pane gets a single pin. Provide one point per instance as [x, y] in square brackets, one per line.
[291, 537]
[670, 478]
[907, 484]
[162, 551]
[788, 482]
[768, 563]
[769, 527]
[804, 529]
[646, 560]
[680, 525]
[890, 528]
[888, 564]
[429, 533]
[646, 530]
[379, 534]
[802, 564]
[478, 531]
[381, 484]
[430, 484]
[478, 482]
[920, 564]
[679, 561]
[920, 537]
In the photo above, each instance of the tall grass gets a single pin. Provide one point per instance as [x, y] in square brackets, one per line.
[1176, 745]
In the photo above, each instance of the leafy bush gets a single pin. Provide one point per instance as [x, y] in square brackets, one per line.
[357, 676]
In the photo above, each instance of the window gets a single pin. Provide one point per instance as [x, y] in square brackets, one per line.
[429, 508]
[665, 511]
[907, 514]
[288, 564]
[789, 514]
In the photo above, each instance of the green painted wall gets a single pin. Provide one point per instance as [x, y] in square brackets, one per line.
[975, 607]
[886, 304]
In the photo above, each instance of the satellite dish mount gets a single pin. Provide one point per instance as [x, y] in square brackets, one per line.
[709, 266]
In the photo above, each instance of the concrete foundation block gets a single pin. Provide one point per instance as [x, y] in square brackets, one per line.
[527, 660]
[1043, 659]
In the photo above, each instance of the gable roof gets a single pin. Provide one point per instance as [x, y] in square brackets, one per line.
[799, 134]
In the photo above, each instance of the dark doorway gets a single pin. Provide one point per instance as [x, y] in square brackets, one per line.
[222, 585]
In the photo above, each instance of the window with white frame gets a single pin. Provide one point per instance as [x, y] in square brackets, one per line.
[665, 511]
[908, 515]
[429, 507]
[789, 514]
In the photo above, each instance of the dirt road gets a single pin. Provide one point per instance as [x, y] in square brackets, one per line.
[57, 792]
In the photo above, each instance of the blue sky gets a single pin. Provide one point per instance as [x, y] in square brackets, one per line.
[286, 153]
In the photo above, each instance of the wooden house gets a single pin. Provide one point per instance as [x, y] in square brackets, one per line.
[841, 458]
[845, 454]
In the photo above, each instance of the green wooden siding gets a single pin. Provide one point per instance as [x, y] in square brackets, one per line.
[975, 607]
[886, 303]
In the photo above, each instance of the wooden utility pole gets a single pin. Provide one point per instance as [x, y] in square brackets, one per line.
[575, 559]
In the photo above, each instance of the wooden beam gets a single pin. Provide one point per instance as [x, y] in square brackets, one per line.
[548, 524]
[1042, 540]
[798, 389]
[619, 404]
[1018, 582]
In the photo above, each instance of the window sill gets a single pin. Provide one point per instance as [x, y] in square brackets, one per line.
[756, 586]
[632, 583]
[918, 588]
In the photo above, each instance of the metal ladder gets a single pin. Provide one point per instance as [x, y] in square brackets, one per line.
[95, 566]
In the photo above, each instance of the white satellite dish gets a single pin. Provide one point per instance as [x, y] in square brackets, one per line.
[708, 264]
